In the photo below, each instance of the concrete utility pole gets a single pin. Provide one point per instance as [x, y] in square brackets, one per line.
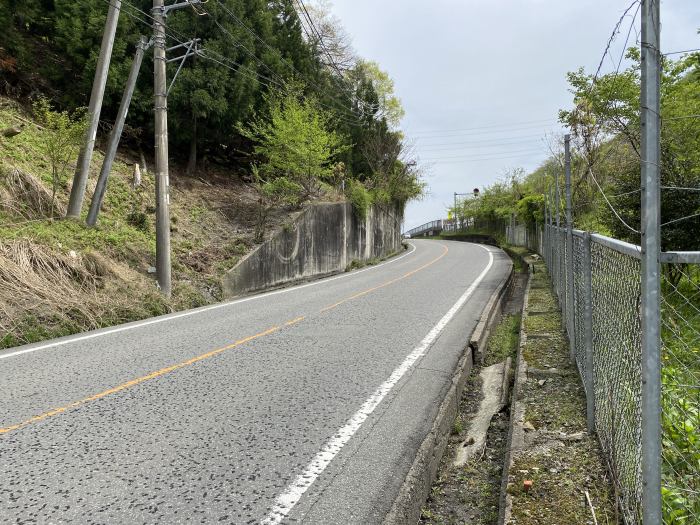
[569, 248]
[116, 133]
[163, 265]
[557, 199]
[651, 248]
[455, 212]
[82, 170]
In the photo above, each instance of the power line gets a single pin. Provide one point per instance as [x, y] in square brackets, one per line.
[512, 124]
[226, 61]
[181, 39]
[250, 31]
[681, 52]
[681, 219]
[681, 117]
[494, 154]
[679, 188]
[467, 147]
[497, 140]
[332, 63]
[615, 32]
[612, 208]
[483, 132]
[469, 161]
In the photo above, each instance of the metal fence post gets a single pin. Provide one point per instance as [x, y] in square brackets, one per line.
[588, 331]
[570, 320]
[651, 285]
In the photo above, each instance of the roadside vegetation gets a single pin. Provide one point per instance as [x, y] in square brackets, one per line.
[605, 131]
[267, 121]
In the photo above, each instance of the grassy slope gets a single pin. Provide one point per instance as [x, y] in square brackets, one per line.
[211, 226]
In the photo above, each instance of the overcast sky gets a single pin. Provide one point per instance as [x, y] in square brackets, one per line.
[482, 80]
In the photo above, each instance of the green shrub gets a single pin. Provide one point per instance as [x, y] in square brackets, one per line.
[359, 197]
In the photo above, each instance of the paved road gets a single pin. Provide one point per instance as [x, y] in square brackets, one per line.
[302, 405]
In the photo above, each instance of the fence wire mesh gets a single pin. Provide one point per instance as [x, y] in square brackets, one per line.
[578, 340]
[615, 346]
[616, 294]
[680, 399]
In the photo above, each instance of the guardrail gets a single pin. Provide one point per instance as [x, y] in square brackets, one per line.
[429, 228]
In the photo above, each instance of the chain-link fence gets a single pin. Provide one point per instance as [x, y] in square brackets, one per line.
[599, 289]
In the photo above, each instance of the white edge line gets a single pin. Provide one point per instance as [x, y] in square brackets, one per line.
[293, 493]
[170, 317]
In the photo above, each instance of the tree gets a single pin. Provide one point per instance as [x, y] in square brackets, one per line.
[368, 74]
[61, 137]
[605, 122]
[295, 143]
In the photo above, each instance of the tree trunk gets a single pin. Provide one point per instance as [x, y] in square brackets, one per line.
[192, 163]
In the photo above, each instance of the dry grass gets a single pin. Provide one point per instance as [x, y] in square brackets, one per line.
[35, 280]
[45, 292]
[24, 195]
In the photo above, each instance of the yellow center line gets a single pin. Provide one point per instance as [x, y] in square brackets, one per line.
[383, 285]
[143, 379]
[202, 357]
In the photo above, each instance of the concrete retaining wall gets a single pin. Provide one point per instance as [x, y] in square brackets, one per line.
[323, 240]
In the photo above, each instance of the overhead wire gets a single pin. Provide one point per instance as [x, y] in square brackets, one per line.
[606, 53]
[512, 124]
[491, 154]
[230, 63]
[181, 39]
[332, 63]
[681, 52]
[495, 140]
[346, 112]
[467, 148]
[479, 131]
[484, 159]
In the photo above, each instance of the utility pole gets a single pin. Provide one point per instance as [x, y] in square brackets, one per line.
[651, 247]
[557, 199]
[163, 265]
[455, 212]
[569, 248]
[116, 133]
[161, 90]
[82, 170]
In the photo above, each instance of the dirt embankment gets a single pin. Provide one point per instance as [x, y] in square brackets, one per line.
[59, 277]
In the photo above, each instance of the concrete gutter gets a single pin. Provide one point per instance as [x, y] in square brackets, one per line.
[416, 487]
[494, 308]
[516, 433]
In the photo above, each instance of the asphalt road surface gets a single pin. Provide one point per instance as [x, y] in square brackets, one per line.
[304, 405]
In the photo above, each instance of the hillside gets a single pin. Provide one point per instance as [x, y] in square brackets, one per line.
[60, 276]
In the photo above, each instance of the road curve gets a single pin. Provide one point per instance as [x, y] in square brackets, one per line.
[307, 404]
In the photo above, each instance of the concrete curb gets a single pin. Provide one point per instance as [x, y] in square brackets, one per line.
[516, 437]
[416, 487]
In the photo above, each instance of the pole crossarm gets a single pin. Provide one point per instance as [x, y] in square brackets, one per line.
[165, 10]
[191, 51]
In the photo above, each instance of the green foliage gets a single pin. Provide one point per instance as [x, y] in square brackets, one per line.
[296, 144]
[60, 138]
[530, 209]
[606, 126]
[302, 137]
[680, 405]
[503, 342]
[359, 197]
[369, 73]
[282, 191]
